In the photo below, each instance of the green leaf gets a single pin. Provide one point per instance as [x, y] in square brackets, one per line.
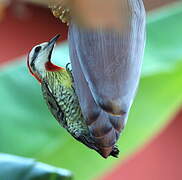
[28, 129]
[164, 39]
[16, 168]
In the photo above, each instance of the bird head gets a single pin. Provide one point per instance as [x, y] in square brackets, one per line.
[39, 59]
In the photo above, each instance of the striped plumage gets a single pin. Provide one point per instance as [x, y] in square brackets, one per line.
[58, 87]
[60, 96]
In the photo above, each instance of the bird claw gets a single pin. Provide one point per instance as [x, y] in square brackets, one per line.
[67, 68]
[69, 71]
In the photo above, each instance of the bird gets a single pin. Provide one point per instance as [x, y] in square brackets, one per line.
[57, 84]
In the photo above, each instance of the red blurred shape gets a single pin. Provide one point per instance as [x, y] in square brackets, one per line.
[19, 35]
[160, 160]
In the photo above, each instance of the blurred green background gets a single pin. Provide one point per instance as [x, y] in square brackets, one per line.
[28, 129]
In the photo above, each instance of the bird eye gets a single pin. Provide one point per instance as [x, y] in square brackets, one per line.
[37, 49]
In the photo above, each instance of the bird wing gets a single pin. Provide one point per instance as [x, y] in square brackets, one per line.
[52, 104]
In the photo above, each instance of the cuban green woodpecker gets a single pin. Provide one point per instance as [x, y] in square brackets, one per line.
[58, 91]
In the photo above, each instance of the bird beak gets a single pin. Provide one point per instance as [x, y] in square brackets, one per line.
[53, 41]
[50, 45]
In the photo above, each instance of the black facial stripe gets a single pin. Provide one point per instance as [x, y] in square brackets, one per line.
[36, 52]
